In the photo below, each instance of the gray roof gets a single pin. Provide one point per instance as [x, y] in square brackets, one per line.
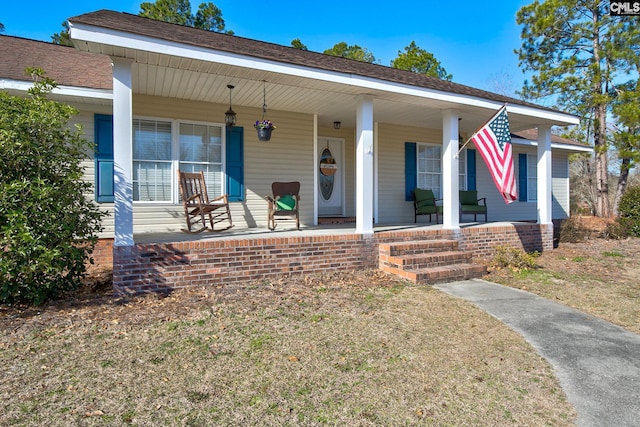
[64, 64]
[138, 25]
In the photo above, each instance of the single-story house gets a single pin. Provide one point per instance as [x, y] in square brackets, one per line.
[153, 97]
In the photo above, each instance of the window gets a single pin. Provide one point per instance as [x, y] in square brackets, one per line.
[462, 169]
[429, 169]
[201, 150]
[152, 161]
[157, 154]
[532, 178]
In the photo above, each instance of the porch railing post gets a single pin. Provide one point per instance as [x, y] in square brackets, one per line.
[364, 165]
[544, 175]
[122, 152]
[450, 175]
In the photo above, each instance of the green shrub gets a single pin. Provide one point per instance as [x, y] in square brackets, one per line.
[629, 211]
[615, 230]
[48, 227]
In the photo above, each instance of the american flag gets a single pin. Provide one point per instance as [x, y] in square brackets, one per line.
[493, 140]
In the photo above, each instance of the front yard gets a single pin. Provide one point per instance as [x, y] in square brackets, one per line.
[342, 349]
[359, 348]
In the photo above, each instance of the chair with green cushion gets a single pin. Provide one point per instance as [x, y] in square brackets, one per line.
[425, 203]
[284, 203]
[471, 204]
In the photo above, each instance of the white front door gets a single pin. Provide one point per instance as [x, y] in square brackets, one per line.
[330, 177]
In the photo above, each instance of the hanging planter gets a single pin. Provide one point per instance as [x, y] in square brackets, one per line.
[264, 128]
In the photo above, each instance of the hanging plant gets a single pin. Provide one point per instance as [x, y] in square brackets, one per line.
[264, 126]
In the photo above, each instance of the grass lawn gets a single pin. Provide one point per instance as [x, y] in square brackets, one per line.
[348, 349]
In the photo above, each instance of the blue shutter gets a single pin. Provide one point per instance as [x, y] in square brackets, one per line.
[235, 163]
[471, 169]
[103, 137]
[522, 177]
[410, 169]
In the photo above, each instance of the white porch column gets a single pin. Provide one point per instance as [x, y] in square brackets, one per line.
[364, 165]
[450, 173]
[544, 175]
[122, 152]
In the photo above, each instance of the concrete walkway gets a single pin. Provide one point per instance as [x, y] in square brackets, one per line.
[597, 363]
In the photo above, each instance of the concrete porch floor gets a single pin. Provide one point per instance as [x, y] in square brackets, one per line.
[286, 230]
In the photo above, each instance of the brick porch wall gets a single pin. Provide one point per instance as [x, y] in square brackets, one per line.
[482, 241]
[163, 267]
[102, 255]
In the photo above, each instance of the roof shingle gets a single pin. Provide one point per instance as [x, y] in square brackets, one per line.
[64, 64]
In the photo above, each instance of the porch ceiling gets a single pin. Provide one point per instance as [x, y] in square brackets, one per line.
[206, 82]
[175, 77]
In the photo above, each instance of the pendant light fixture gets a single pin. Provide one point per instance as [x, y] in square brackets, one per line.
[230, 115]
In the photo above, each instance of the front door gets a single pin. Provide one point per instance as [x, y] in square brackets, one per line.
[330, 177]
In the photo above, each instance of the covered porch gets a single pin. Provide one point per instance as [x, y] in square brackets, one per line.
[174, 85]
[178, 76]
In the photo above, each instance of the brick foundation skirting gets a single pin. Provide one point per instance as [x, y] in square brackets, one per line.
[102, 255]
[162, 267]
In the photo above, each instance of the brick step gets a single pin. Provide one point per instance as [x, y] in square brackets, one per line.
[426, 260]
[418, 247]
[450, 273]
[440, 274]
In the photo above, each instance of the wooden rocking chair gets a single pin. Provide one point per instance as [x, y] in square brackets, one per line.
[198, 209]
[284, 203]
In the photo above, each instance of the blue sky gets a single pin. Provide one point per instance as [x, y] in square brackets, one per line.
[473, 40]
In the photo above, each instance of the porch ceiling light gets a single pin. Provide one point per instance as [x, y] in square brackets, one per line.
[230, 115]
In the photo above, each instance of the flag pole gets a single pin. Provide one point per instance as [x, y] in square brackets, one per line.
[483, 125]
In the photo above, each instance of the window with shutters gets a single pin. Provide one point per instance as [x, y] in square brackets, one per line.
[429, 168]
[160, 147]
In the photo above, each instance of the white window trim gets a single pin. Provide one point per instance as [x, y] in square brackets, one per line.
[531, 178]
[175, 154]
[461, 173]
[418, 170]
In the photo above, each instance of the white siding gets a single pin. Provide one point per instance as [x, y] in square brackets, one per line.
[392, 207]
[524, 211]
[287, 157]
[560, 185]
[85, 118]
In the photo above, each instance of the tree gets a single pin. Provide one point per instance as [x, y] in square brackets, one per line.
[626, 109]
[62, 38]
[296, 43]
[1, 27]
[576, 50]
[420, 61]
[208, 17]
[352, 52]
[48, 226]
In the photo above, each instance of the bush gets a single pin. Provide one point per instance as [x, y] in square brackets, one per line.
[629, 211]
[572, 230]
[514, 259]
[48, 227]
